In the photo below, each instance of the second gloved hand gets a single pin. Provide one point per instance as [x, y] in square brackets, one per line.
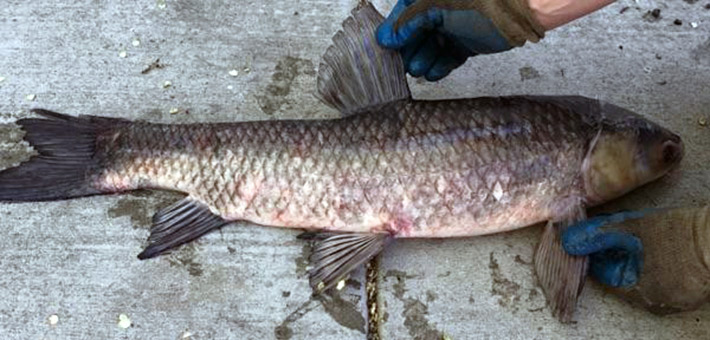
[615, 258]
[437, 36]
[669, 274]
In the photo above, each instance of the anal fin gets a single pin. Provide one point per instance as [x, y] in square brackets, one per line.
[182, 222]
[560, 275]
[335, 255]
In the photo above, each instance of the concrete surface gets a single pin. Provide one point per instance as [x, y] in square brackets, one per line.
[69, 268]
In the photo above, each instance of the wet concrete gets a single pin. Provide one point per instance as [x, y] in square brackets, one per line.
[77, 259]
[283, 77]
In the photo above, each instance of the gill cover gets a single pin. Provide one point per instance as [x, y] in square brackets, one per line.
[608, 167]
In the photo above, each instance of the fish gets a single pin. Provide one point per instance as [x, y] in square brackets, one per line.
[388, 167]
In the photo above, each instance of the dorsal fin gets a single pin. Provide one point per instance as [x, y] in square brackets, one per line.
[356, 73]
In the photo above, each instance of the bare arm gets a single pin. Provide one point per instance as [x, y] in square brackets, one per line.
[554, 13]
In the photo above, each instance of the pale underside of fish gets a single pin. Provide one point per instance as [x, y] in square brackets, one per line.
[390, 167]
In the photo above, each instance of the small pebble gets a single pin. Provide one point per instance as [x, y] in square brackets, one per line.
[122, 54]
[678, 22]
[123, 321]
[233, 73]
[53, 319]
[341, 285]
[174, 110]
[694, 24]
[230, 87]
[653, 15]
[31, 97]
[136, 42]
[185, 335]
[167, 84]
[2, 79]
[246, 70]
[161, 4]
[702, 121]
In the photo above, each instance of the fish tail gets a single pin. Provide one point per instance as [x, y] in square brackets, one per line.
[66, 162]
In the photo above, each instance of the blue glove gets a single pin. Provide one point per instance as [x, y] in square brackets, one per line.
[436, 36]
[616, 258]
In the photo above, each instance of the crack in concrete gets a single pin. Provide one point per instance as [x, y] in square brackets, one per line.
[339, 309]
[345, 313]
[373, 306]
[283, 331]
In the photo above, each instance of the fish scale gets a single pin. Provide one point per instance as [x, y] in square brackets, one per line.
[342, 176]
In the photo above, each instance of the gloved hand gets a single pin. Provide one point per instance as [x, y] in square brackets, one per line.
[669, 274]
[437, 36]
[615, 258]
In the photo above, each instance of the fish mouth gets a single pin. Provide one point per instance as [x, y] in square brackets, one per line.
[672, 151]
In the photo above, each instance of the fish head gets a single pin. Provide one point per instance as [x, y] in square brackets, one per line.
[626, 152]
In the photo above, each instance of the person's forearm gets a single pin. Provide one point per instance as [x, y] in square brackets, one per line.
[555, 13]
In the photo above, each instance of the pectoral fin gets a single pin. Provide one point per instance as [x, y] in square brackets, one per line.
[560, 275]
[335, 255]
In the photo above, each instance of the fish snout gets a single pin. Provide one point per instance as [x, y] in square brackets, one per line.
[672, 150]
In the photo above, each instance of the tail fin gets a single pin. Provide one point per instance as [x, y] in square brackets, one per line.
[66, 160]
